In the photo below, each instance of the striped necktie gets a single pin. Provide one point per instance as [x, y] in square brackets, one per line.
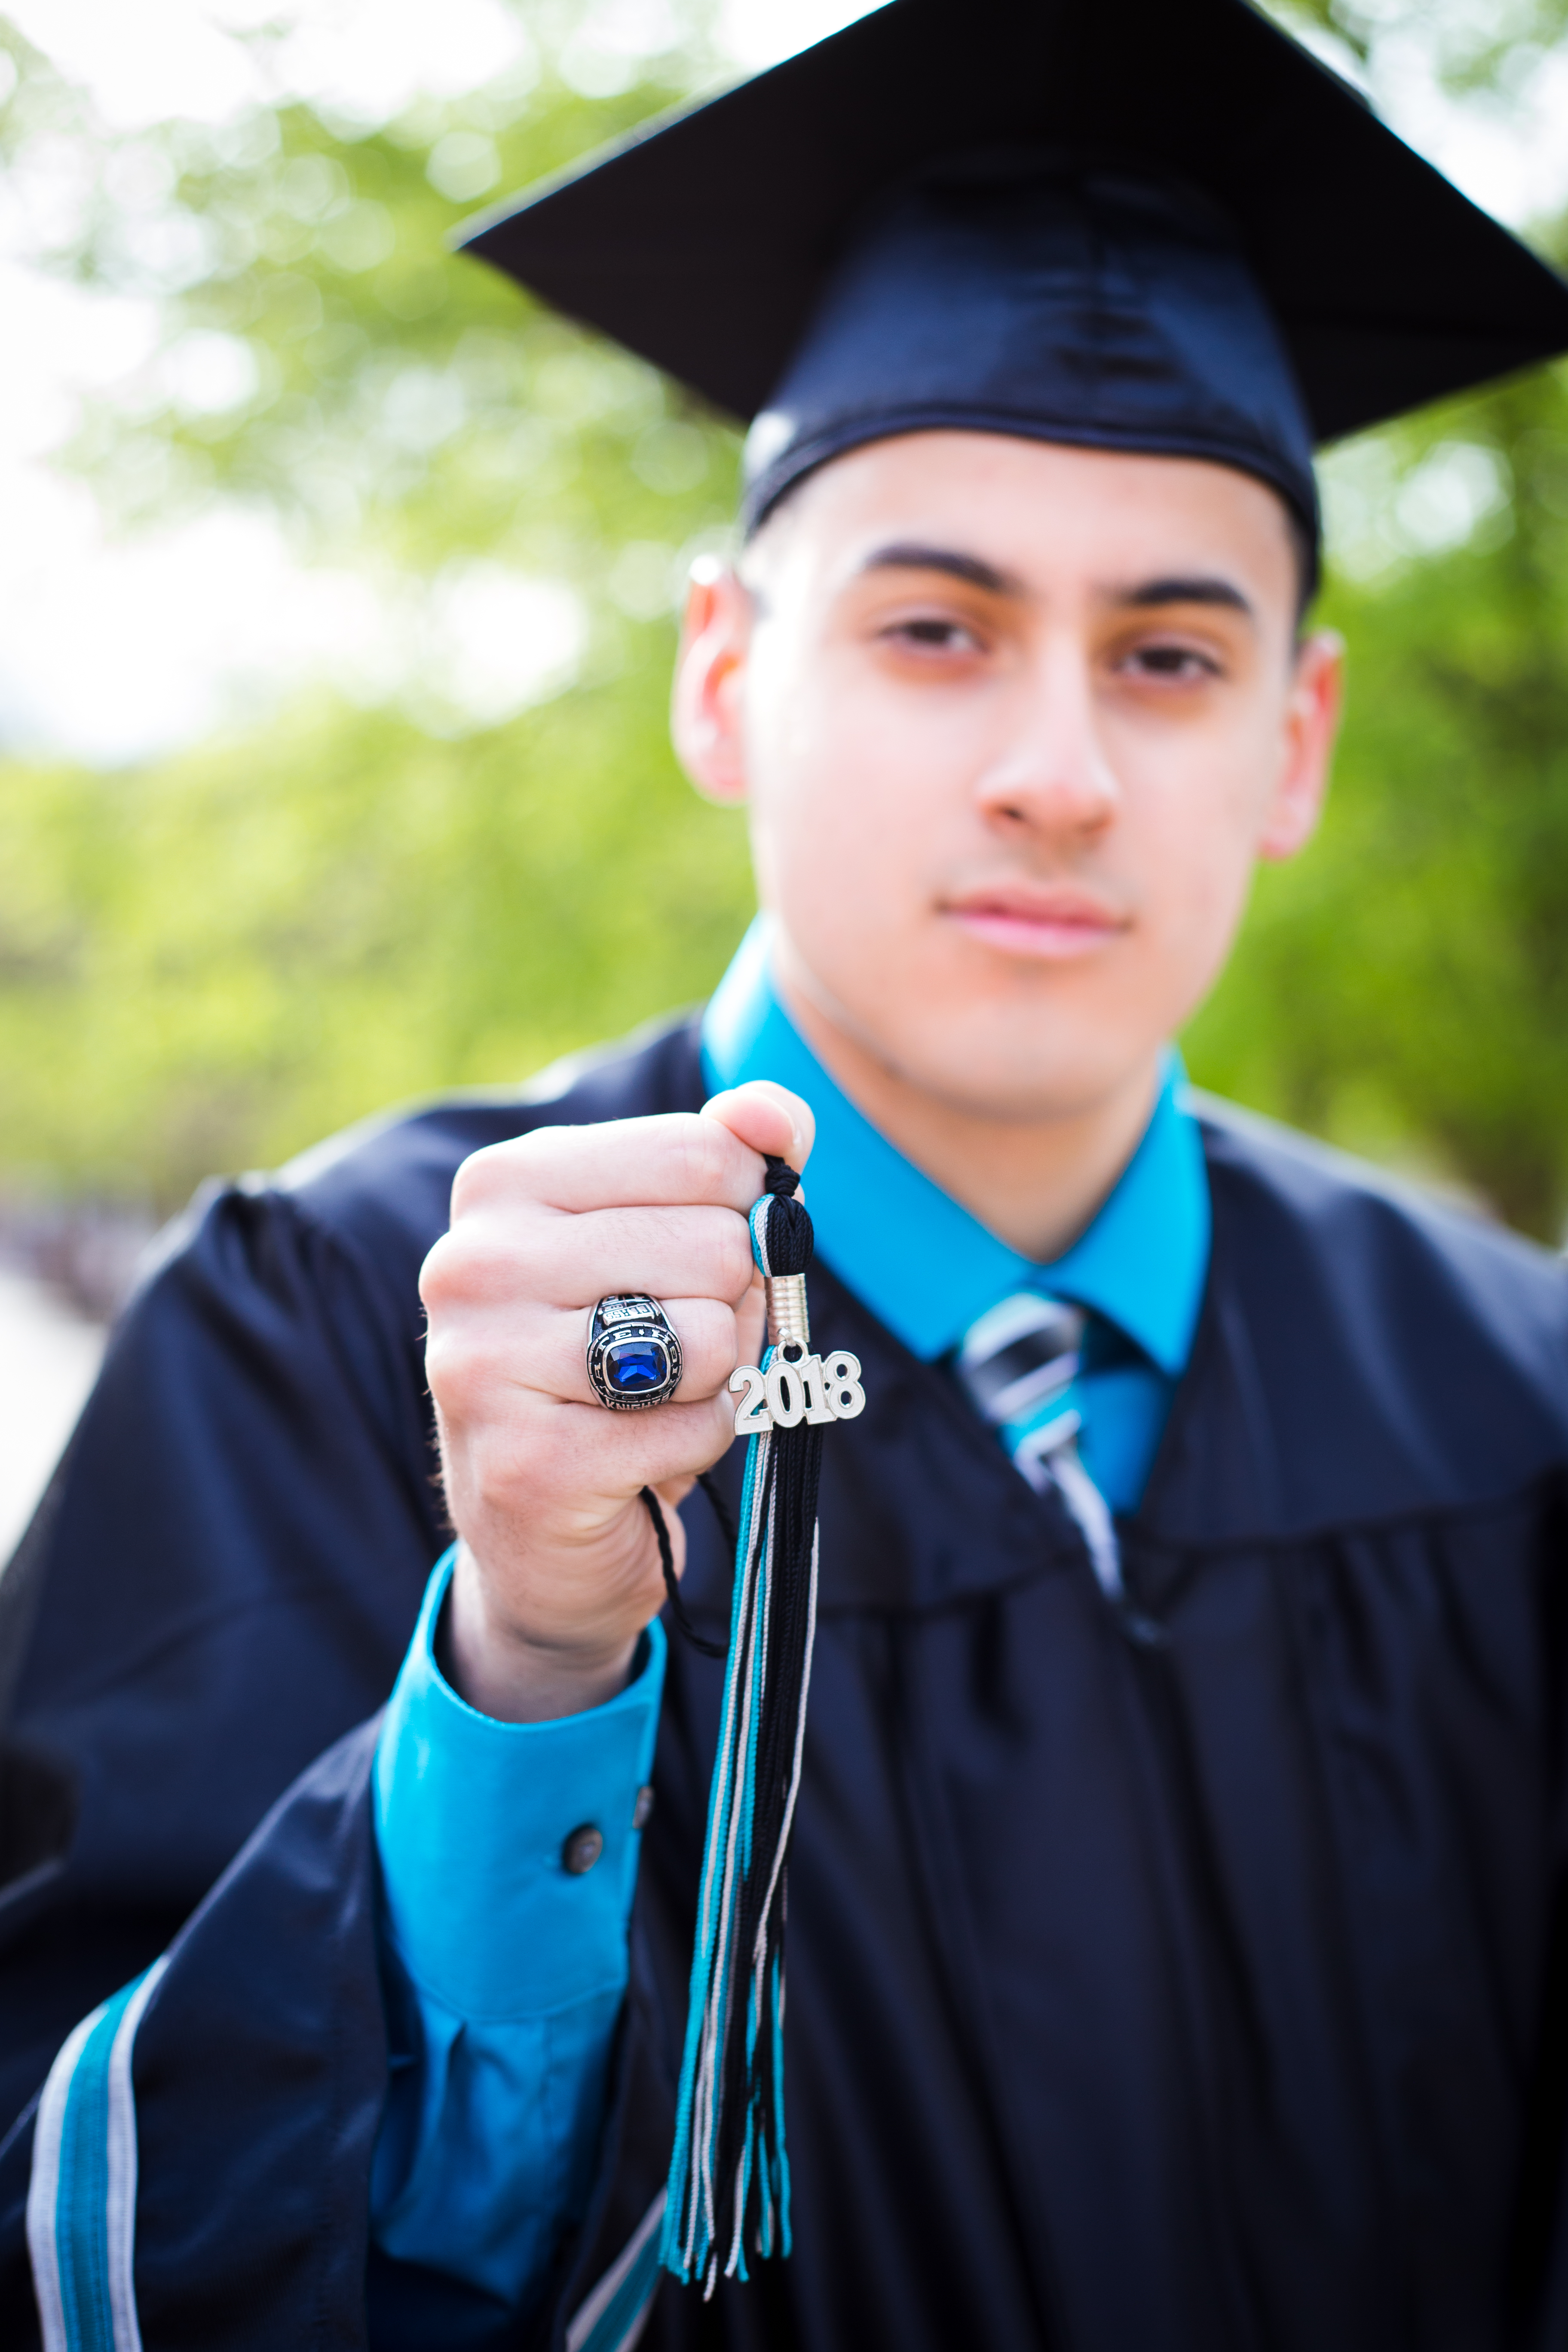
[1021, 1366]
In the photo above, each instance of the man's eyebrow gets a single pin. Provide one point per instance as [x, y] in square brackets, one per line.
[909, 555]
[1201, 588]
[1178, 588]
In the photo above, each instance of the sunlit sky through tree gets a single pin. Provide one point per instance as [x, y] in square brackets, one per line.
[202, 618]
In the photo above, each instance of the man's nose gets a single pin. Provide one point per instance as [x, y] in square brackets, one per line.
[1051, 772]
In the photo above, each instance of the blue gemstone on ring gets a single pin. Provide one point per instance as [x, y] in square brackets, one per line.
[632, 1367]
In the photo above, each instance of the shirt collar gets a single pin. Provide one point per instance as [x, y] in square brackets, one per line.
[924, 1264]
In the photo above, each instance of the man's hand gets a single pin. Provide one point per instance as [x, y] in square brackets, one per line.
[557, 1570]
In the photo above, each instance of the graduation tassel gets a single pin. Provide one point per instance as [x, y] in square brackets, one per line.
[729, 2175]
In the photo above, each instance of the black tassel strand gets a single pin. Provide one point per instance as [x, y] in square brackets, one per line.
[729, 2182]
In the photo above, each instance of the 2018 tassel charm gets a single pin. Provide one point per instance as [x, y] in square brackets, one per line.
[729, 2175]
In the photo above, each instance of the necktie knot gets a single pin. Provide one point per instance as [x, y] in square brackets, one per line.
[1021, 1366]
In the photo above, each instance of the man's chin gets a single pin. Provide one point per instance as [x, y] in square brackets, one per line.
[981, 1073]
[1010, 1056]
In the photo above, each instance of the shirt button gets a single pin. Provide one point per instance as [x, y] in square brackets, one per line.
[642, 1812]
[582, 1849]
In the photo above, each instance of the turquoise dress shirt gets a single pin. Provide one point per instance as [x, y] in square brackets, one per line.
[1140, 1265]
[504, 1971]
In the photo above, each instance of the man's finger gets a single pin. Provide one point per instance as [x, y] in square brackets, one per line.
[545, 1348]
[669, 1159]
[666, 1253]
[769, 1118]
[564, 1453]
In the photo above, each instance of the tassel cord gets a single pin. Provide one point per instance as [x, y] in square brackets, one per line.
[697, 2084]
[717, 1943]
[666, 1562]
[729, 2190]
[759, 1941]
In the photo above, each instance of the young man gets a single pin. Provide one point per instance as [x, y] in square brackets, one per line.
[1175, 1883]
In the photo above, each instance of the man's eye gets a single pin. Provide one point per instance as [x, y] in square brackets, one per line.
[946, 636]
[1180, 662]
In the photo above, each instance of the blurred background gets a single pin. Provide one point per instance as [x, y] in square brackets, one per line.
[337, 585]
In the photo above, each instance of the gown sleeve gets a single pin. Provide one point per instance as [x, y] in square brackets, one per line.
[222, 1580]
[508, 1861]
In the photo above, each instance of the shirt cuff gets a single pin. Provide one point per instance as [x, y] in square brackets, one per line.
[473, 1818]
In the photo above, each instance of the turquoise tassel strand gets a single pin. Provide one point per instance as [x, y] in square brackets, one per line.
[729, 2176]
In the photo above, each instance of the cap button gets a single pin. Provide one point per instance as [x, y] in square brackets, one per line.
[642, 1812]
[582, 1849]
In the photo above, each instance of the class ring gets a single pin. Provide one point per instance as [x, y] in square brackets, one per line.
[633, 1356]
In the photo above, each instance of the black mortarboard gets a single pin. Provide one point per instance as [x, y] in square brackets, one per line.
[1127, 224]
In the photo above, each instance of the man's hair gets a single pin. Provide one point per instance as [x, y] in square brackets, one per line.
[1304, 547]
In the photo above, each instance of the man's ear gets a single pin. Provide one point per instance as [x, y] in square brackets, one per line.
[705, 719]
[1312, 723]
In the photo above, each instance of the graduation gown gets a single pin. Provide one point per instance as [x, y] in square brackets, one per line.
[1189, 1978]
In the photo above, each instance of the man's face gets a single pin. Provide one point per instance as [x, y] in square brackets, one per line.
[1014, 722]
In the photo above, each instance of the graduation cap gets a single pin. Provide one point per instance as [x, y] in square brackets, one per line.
[1148, 225]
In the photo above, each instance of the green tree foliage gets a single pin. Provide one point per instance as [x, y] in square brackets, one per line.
[210, 960]
[1487, 49]
[1403, 987]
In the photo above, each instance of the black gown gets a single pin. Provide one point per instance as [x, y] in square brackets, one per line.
[1180, 1981]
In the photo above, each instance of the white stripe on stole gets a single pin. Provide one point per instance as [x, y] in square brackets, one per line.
[43, 2186]
[120, 2200]
[589, 2313]
[116, 2224]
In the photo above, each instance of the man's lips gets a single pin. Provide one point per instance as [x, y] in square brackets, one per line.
[1054, 924]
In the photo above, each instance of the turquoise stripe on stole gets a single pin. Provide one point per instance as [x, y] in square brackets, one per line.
[613, 2316]
[629, 2301]
[82, 2196]
[81, 2206]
